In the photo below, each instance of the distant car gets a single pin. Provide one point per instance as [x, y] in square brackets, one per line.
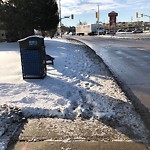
[120, 30]
[138, 31]
[128, 30]
[72, 33]
[101, 31]
[111, 32]
[66, 33]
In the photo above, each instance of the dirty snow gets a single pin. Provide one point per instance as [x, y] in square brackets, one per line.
[77, 86]
[10, 119]
[144, 35]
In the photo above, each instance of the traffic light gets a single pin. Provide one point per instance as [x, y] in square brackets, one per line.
[137, 15]
[72, 16]
[142, 15]
[97, 15]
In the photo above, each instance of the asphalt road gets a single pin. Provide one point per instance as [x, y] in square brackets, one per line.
[129, 61]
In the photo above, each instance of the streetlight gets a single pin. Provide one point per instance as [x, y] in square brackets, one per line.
[60, 17]
[97, 16]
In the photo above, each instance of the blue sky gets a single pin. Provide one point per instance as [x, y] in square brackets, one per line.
[84, 10]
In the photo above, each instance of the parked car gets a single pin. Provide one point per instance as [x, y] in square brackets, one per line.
[128, 31]
[111, 32]
[138, 31]
[101, 31]
[121, 31]
[72, 33]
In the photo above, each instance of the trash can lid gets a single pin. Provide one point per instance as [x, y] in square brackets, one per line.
[33, 36]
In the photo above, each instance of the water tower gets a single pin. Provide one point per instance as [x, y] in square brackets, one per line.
[112, 20]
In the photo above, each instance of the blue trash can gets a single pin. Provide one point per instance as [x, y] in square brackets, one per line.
[33, 57]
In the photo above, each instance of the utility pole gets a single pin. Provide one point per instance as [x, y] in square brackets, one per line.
[60, 17]
[149, 20]
[131, 18]
[98, 19]
[98, 15]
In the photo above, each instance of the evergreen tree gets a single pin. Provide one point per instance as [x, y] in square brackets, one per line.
[21, 17]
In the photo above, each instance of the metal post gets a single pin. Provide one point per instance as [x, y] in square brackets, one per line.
[131, 18]
[98, 19]
[149, 23]
[149, 19]
[98, 15]
[60, 18]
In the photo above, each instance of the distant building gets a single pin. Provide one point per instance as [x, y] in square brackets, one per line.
[129, 25]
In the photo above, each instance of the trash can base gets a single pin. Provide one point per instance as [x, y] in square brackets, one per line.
[34, 77]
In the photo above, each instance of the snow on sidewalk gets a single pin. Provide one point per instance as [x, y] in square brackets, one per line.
[77, 86]
[75, 83]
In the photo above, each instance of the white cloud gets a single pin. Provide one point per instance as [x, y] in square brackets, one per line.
[85, 6]
[100, 1]
[69, 2]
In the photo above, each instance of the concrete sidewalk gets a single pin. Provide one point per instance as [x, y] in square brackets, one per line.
[61, 134]
[85, 145]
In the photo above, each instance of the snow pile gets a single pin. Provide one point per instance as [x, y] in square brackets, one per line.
[10, 118]
[137, 36]
[77, 86]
